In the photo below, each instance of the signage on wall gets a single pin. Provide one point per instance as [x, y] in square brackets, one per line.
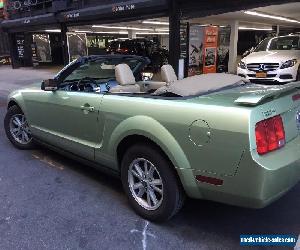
[72, 15]
[1, 4]
[124, 7]
[210, 49]
[35, 61]
[183, 40]
[196, 35]
[20, 40]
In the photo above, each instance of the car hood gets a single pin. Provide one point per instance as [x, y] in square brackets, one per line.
[274, 56]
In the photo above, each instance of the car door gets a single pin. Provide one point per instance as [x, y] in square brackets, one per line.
[68, 120]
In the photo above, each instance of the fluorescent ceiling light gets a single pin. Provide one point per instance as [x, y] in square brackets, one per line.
[252, 28]
[155, 22]
[83, 31]
[112, 32]
[162, 30]
[54, 30]
[120, 27]
[152, 33]
[254, 13]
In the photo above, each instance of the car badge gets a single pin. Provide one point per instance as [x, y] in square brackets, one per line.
[262, 67]
[298, 120]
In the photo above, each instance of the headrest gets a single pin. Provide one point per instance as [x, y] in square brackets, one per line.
[124, 75]
[168, 74]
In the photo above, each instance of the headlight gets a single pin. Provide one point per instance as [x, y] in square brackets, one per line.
[288, 64]
[242, 65]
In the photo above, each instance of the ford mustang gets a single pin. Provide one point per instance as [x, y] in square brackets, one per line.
[213, 137]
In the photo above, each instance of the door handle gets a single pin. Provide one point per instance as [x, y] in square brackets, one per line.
[87, 108]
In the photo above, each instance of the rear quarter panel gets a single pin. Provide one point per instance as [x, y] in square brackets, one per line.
[207, 138]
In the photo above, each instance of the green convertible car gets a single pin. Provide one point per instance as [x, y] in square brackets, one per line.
[211, 137]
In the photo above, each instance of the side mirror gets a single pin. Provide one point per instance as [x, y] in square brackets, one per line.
[49, 85]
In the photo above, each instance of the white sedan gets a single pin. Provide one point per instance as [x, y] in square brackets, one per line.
[275, 60]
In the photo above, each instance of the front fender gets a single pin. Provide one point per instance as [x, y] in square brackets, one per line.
[17, 97]
[152, 129]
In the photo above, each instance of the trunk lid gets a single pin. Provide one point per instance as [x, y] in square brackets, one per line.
[262, 102]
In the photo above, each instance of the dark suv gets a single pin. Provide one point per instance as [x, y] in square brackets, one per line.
[141, 47]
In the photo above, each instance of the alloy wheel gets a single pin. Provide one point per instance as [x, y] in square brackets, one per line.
[19, 129]
[145, 184]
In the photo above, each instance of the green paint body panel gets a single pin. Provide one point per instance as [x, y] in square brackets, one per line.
[210, 135]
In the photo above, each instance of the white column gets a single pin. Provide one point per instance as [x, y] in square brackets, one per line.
[234, 37]
[131, 34]
[277, 30]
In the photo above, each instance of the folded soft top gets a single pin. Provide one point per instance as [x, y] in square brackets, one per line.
[201, 84]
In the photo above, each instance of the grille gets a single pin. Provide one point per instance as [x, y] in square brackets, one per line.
[262, 66]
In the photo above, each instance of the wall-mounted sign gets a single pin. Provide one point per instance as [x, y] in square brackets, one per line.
[124, 7]
[20, 40]
[77, 45]
[35, 61]
[183, 40]
[196, 37]
[72, 15]
[43, 49]
[1, 4]
[210, 49]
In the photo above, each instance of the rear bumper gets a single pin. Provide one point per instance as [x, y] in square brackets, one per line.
[258, 181]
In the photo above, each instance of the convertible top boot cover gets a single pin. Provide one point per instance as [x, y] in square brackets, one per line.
[201, 84]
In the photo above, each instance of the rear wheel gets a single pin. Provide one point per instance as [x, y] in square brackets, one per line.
[150, 183]
[17, 129]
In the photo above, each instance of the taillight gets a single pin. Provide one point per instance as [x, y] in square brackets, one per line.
[270, 135]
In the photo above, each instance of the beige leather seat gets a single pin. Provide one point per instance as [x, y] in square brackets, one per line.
[168, 74]
[126, 80]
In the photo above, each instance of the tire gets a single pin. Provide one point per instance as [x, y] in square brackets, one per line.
[173, 196]
[298, 75]
[12, 112]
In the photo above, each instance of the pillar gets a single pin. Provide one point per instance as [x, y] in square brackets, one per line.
[65, 49]
[234, 36]
[13, 50]
[131, 34]
[174, 37]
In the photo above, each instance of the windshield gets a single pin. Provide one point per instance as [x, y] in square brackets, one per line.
[285, 43]
[103, 68]
[262, 46]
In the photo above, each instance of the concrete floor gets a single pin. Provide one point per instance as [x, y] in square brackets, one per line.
[50, 202]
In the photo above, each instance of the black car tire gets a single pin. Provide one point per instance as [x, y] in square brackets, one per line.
[173, 193]
[15, 110]
[298, 75]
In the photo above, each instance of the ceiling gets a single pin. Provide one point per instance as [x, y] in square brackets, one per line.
[289, 10]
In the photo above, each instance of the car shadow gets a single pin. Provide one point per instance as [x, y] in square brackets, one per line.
[60, 161]
[198, 216]
[281, 217]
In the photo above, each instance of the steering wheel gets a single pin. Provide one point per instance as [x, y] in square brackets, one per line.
[84, 84]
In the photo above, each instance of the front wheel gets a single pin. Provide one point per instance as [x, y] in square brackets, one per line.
[150, 183]
[17, 129]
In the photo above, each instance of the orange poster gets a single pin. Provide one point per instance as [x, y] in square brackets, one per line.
[210, 49]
